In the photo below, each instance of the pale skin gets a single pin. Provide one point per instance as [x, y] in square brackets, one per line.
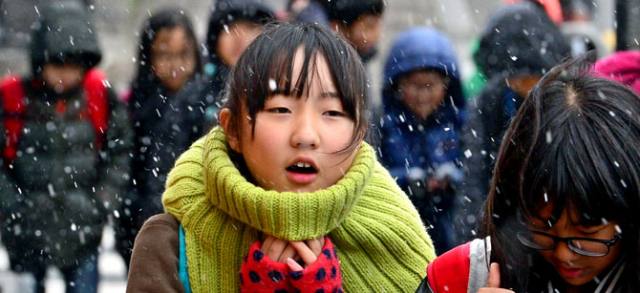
[493, 285]
[231, 44]
[312, 129]
[363, 34]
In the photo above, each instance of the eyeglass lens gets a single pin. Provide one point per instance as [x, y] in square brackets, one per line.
[539, 241]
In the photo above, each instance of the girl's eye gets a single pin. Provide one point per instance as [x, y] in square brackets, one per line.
[334, 113]
[278, 110]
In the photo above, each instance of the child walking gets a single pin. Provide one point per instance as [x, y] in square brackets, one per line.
[168, 58]
[562, 213]
[233, 24]
[65, 152]
[284, 195]
[421, 130]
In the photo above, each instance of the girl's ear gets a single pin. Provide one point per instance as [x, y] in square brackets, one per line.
[232, 138]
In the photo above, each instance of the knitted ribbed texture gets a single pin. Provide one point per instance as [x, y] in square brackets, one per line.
[382, 244]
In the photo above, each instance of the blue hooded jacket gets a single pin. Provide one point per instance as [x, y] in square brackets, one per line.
[413, 149]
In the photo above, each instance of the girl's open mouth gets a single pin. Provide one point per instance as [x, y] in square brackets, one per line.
[301, 173]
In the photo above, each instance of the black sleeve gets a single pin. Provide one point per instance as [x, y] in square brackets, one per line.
[424, 287]
[114, 173]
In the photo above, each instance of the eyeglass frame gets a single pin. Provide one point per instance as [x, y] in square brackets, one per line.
[567, 242]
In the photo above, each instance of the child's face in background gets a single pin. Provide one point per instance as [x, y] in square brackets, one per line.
[296, 142]
[423, 92]
[173, 57]
[62, 77]
[234, 39]
[364, 33]
[576, 269]
[523, 85]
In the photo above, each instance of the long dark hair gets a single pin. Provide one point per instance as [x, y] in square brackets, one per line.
[574, 143]
[146, 82]
[270, 58]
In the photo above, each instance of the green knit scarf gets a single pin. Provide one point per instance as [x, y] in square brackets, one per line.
[381, 242]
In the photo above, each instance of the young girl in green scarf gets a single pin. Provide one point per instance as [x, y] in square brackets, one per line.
[284, 195]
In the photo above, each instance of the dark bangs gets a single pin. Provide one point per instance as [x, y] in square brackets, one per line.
[266, 68]
[582, 150]
[584, 158]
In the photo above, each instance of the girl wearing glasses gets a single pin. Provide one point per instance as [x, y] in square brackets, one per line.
[563, 210]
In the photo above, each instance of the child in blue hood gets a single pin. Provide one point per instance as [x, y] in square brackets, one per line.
[423, 115]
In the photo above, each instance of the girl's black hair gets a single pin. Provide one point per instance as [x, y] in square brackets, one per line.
[167, 18]
[270, 59]
[574, 144]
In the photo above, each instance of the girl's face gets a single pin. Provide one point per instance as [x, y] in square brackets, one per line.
[62, 77]
[173, 57]
[234, 39]
[423, 92]
[576, 269]
[364, 33]
[297, 141]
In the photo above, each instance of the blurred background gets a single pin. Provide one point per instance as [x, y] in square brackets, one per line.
[594, 23]
[119, 22]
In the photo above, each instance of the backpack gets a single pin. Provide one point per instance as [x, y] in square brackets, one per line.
[14, 106]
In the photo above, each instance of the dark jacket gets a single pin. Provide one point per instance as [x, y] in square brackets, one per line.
[520, 40]
[414, 150]
[57, 193]
[199, 102]
[150, 105]
[154, 151]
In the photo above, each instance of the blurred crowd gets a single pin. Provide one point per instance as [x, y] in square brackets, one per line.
[76, 153]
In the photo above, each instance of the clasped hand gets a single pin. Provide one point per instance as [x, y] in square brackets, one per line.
[290, 252]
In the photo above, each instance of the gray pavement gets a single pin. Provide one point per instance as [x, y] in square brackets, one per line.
[111, 269]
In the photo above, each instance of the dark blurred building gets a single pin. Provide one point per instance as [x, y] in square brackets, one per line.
[628, 28]
[18, 16]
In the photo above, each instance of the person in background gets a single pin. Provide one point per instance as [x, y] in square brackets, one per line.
[562, 212]
[66, 140]
[284, 196]
[168, 58]
[518, 46]
[232, 26]
[421, 127]
[360, 22]
[473, 86]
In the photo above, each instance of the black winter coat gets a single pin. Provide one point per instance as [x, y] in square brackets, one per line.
[59, 190]
[57, 193]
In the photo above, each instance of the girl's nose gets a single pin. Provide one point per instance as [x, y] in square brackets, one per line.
[305, 133]
[563, 253]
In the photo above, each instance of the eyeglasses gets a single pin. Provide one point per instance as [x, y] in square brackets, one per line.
[583, 246]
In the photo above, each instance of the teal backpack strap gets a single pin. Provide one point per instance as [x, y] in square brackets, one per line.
[184, 272]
